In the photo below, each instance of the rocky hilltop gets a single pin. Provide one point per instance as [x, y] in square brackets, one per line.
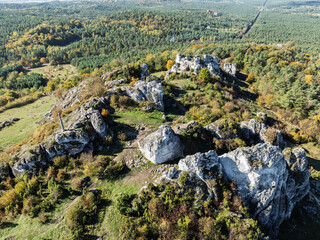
[85, 129]
[269, 181]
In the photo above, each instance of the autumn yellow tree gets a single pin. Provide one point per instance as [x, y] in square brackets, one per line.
[251, 78]
[170, 63]
[309, 79]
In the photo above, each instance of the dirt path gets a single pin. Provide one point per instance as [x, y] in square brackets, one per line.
[250, 25]
[127, 151]
[61, 215]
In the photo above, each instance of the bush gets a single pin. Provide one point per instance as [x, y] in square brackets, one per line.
[114, 169]
[60, 161]
[105, 113]
[122, 136]
[44, 217]
[205, 75]
[62, 175]
[31, 206]
[76, 183]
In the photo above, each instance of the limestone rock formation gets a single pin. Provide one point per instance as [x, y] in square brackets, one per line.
[83, 126]
[185, 63]
[264, 182]
[230, 68]
[256, 132]
[261, 174]
[68, 99]
[147, 91]
[144, 70]
[221, 129]
[113, 83]
[161, 146]
[72, 141]
[206, 165]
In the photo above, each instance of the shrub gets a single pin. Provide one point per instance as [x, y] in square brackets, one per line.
[105, 113]
[299, 137]
[62, 175]
[205, 75]
[91, 169]
[122, 136]
[20, 188]
[30, 206]
[44, 217]
[60, 161]
[9, 198]
[76, 183]
[114, 169]
[170, 63]
[123, 203]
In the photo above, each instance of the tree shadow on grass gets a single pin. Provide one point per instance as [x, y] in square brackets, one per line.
[8, 225]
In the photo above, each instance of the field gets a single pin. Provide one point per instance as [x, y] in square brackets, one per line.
[52, 72]
[29, 116]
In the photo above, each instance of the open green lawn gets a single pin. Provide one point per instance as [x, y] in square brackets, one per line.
[29, 116]
[153, 119]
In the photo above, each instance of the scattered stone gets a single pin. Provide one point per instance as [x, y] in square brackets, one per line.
[8, 123]
[114, 83]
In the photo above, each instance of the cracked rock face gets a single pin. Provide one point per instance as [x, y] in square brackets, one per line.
[144, 70]
[161, 146]
[256, 132]
[230, 68]
[72, 141]
[147, 91]
[269, 181]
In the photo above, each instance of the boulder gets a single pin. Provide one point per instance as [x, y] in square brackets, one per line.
[230, 68]
[29, 159]
[99, 124]
[253, 130]
[161, 146]
[205, 165]
[262, 117]
[221, 129]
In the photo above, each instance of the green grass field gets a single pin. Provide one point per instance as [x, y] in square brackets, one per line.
[29, 116]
